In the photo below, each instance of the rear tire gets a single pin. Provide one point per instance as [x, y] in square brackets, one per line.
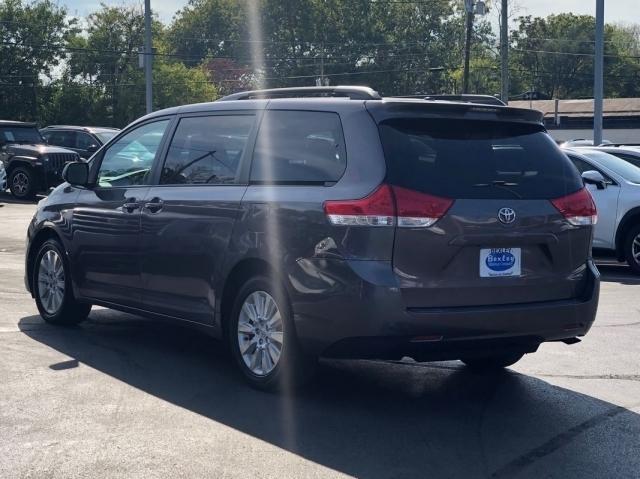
[22, 183]
[632, 248]
[262, 338]
[492, 363]
[52, 287]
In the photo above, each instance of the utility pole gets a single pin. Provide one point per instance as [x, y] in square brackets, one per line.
[472, 8]
[504, 52]
[148, 56]
[598, 87]
[467, 45]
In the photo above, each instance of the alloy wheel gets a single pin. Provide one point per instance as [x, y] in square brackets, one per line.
[20, 183]
[635, 249]
[260, 333]
[51, 282]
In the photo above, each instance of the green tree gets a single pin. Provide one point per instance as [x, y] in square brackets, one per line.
[33, 38]
[555, 56]
[105, 60]
[392, 46]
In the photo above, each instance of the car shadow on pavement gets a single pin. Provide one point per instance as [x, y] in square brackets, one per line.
[618, 273]
[6, 197]
[365, 418]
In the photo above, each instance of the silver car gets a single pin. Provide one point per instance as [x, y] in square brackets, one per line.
[3, 178]
[617, 198]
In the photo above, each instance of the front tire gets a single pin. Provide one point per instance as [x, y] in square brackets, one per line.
[632, 249]
[492, 363]
[22, 183]
[262, 337]
[52, 287]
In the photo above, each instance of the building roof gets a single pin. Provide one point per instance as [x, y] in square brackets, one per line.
[583, 108]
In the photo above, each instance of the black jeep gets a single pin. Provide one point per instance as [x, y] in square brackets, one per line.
[30, 163]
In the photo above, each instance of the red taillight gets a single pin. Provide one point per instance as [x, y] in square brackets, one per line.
[578, 208]
[377, 209]
[417, 210]
[387, 206]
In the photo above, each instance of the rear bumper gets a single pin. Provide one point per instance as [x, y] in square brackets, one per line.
[360, 314]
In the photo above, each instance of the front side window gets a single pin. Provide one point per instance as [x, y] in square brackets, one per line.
[84, 141]
[207, 150]
[299, 147]
[128, 161]
[582, 165]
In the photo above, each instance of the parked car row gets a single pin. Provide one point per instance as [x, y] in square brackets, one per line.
[32, 160]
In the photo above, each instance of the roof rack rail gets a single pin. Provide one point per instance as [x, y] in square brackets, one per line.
[618, 145]
[351, 92]
[468, 98]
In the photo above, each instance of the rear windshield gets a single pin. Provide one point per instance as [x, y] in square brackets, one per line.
[476, 159]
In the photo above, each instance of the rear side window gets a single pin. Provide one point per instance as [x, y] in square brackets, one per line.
[207, 150]
[476, 159]
[299, 147]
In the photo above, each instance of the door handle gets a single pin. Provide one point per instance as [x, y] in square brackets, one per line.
[155, 205]
[130, 205]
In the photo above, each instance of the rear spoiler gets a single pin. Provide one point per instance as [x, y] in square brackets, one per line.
[397, 108]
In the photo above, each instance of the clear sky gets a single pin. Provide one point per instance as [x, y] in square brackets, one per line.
[626, 11]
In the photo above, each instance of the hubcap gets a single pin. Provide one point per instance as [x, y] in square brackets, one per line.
[51, 282]
[20, 183]
[260, 334]
[635, 249]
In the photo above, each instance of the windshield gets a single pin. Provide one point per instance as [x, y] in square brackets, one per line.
[105, 136]
[619, 166]
[20, 134]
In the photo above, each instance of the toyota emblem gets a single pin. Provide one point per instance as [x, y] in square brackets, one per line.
[506, 216]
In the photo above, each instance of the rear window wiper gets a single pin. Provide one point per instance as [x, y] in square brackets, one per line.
[504, 185]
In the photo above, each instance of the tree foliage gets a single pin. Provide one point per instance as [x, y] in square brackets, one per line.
[555, 56]
[85, 71]
[33, 40]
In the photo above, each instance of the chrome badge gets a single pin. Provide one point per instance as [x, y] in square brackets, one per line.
[506, 216]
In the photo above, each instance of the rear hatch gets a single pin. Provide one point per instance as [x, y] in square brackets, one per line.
[512, 221]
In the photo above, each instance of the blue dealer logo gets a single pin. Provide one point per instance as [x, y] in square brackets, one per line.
[500, 260]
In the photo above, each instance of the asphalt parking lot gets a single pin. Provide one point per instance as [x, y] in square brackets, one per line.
[121, 396]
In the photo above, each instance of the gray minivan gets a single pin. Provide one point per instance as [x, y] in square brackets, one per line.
[327, 221]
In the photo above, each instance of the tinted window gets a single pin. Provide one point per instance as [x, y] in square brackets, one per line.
[105, 136]
[128, 161]
[84, 141]
[207, 149]
[582, 165]
[476, 159]
[19, 134]
[65, 139]
[299, 147]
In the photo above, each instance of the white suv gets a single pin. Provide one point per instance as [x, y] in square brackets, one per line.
[615, 186]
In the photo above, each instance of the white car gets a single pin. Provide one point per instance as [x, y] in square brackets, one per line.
[615, 186]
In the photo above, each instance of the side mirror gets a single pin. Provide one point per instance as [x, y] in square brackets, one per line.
[76, 173]
[593, 177]
[92, 148]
